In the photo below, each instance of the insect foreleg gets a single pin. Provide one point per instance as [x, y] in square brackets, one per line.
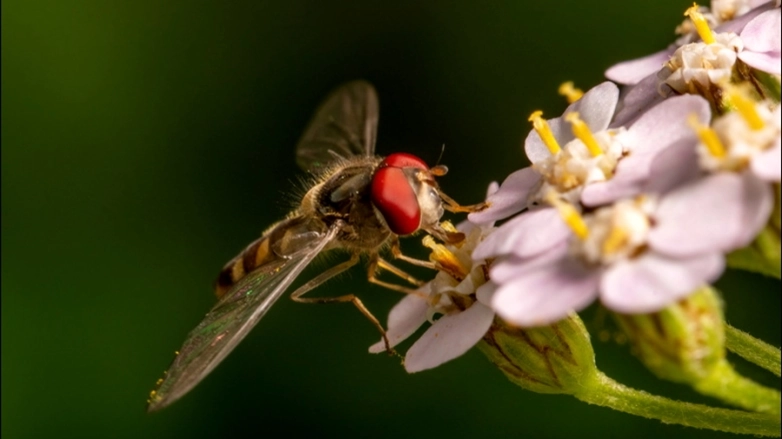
[452, 206]
[396, 251]
[376, 263]
[328, 274]
[385, 265]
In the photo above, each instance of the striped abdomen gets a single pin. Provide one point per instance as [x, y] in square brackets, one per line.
[280, 239]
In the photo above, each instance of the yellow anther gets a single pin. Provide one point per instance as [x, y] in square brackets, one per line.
[700, 24]
[445, 259]
[581, 130]
[615, 240]
[569, 215]
[544, 131]
[745, 106]
[708, 136]
[570, 92]
[448, 227]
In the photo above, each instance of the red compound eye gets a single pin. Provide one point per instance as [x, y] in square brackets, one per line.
[404, 160]
[396, 199]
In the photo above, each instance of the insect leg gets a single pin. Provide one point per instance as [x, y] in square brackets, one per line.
[328, 274]
[452, 206]
[396, 251]
[385, 265]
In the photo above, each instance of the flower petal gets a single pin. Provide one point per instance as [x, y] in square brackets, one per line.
[739, 23]
[767, 62]
[526, 235]
[757, 204]
[666, 123]
[403, 320]
[768, 164]
[485, 292]
[764, 32]
[548, 294]
[673, 167]
[634, 71]
[720, 212]
[511, 197]
[639, 98]
[651, 152]
[596, 108]
[762, 38]
[505, 269]
[449, 337]
[653, 281]
[622, 185]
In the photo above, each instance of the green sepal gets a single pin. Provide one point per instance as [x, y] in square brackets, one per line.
[550, 359]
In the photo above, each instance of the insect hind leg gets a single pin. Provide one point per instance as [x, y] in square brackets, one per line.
[328, 274]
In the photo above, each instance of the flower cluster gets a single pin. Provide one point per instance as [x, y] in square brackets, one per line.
[633, 197]
[640, 211]
[638, 197]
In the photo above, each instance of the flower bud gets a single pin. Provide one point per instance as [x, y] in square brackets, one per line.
[683, 342]
[549, 359]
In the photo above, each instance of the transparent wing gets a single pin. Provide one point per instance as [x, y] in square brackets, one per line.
[231, 320]
[345, 124]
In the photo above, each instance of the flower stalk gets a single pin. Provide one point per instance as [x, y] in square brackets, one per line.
[604, 391]
[559, 359]
[753, 350]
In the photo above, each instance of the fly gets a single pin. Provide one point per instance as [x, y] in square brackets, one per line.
[360, 203]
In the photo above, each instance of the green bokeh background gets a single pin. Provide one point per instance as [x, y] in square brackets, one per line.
[145, 143]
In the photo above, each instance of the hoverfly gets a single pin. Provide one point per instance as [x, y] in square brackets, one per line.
[361, 203]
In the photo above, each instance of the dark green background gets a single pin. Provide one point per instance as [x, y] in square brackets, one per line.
[145, 143]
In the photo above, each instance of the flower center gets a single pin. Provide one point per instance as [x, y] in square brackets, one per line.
[588, 158]
[734, 138]
[708, 136]
[617, 232]
[569, 215]
[582, 132]
[610, 233]
[445, 259]
[745, 106]
[544, 131]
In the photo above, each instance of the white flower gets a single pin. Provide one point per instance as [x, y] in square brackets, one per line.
[464, 315]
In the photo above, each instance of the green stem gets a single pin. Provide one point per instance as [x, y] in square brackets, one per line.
[753, 350]
[724, 383]
[604, 391]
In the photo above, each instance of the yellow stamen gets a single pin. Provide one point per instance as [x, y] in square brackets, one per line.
[569, 215]
[615, 240]
[745, 106]
[581, 130]
[708, 136]
[445, 259]
[541, 126]
[570, 92]
[448, 227]
[700, 24]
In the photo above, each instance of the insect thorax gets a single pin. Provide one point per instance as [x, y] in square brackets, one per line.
[344, 196]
